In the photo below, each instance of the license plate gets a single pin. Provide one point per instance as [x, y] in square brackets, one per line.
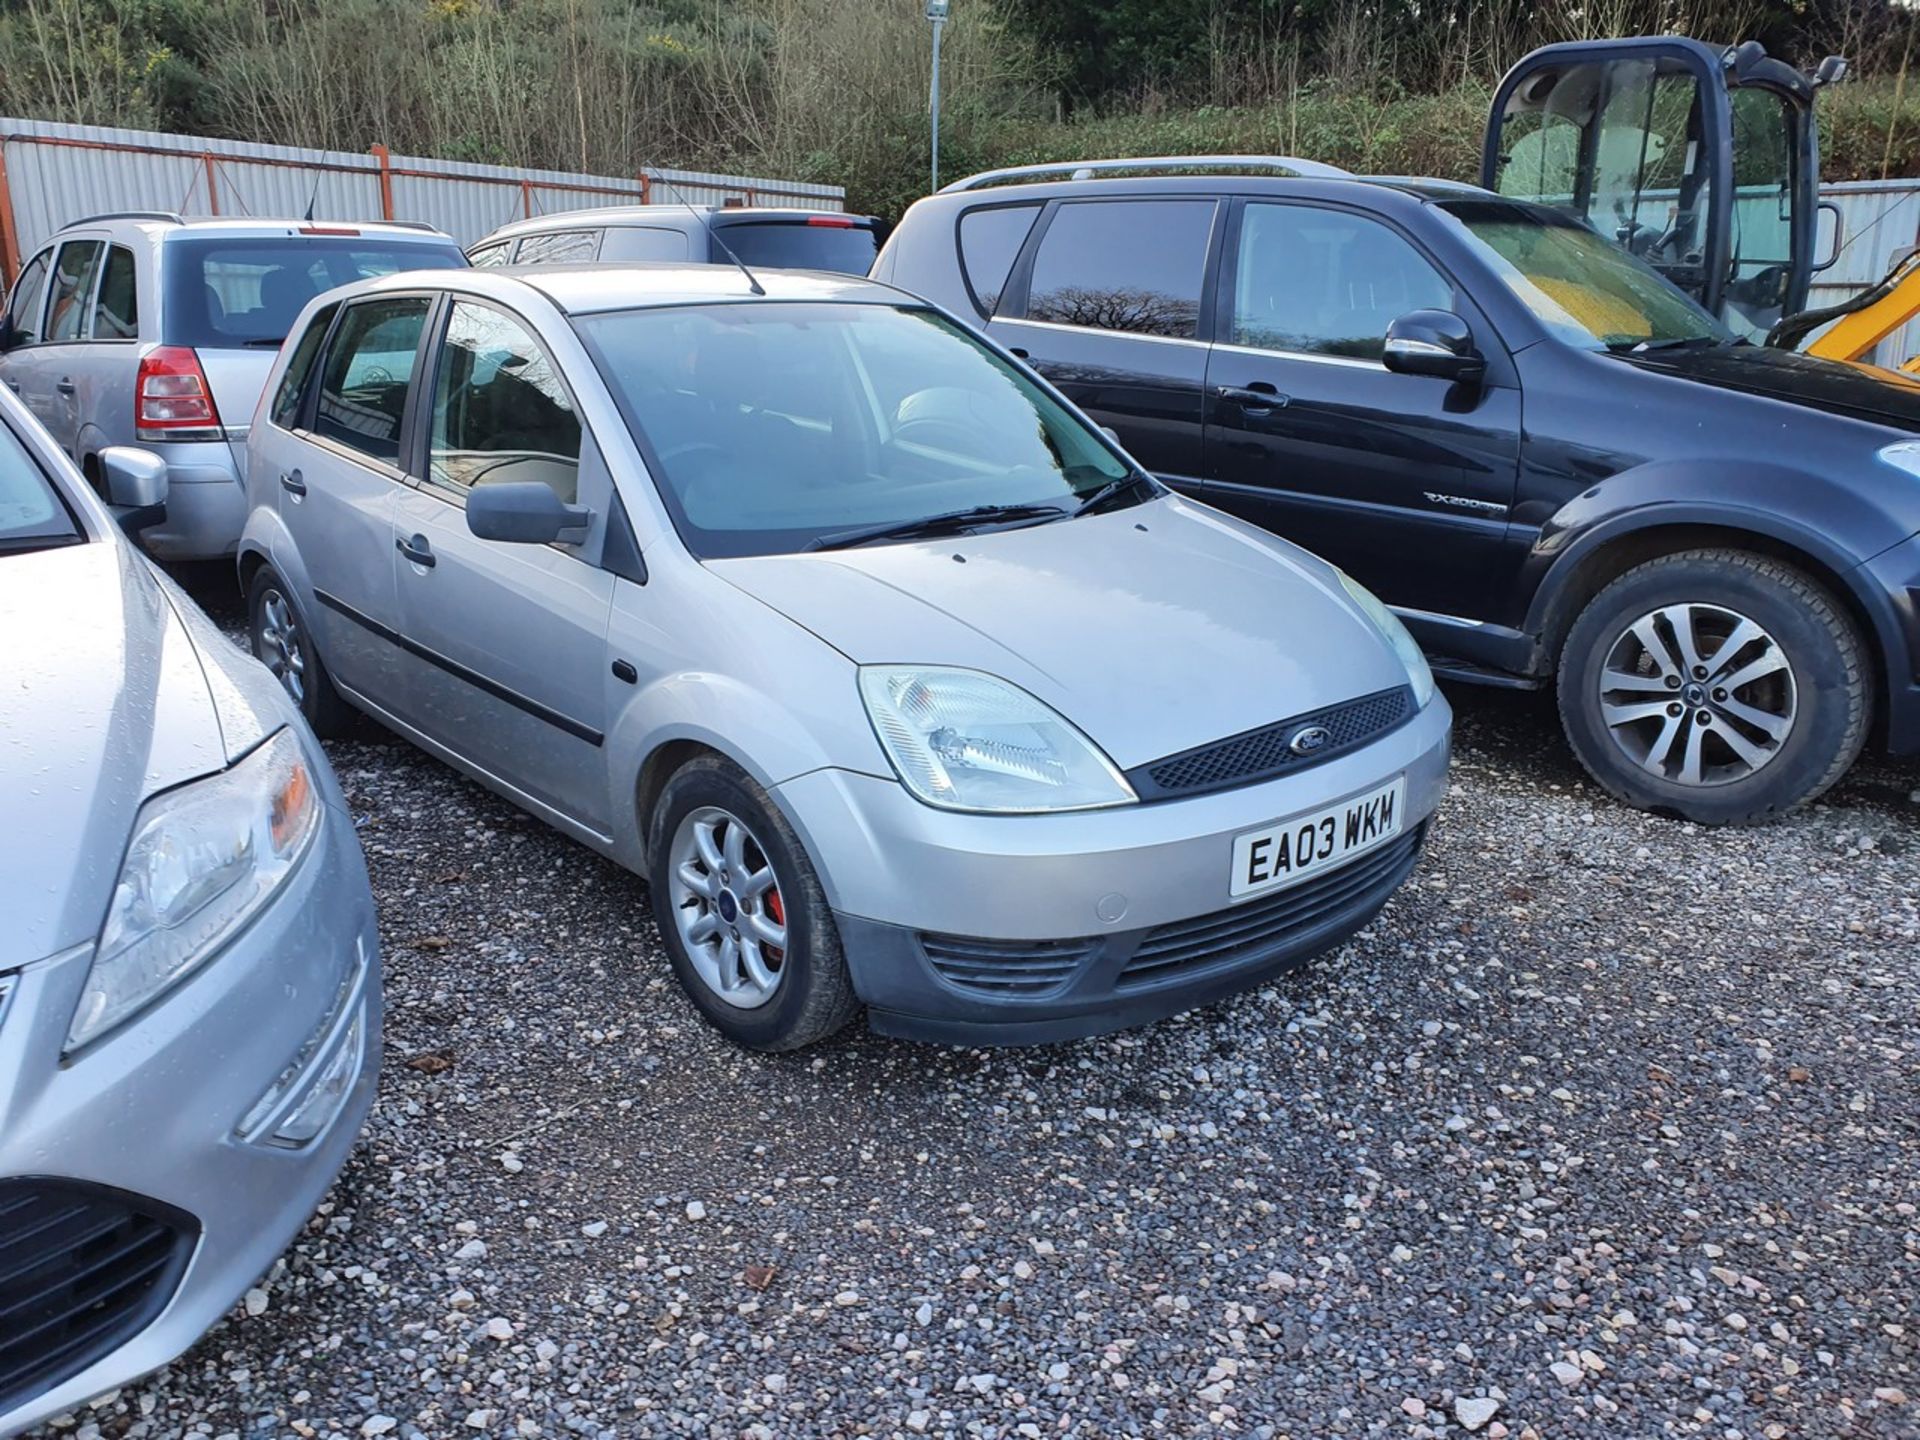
[1289, 852]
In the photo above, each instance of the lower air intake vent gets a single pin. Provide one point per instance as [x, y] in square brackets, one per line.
[1006, 967]
[82, 1271]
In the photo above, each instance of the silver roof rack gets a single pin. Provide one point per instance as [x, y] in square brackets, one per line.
[125, 215]
[1087, 169]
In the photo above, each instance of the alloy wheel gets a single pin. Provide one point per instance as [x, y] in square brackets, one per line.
[727, 907]
[1698, 694]
[281, 646]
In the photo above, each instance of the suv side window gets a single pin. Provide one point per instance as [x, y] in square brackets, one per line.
[559, 248]
[73, 276]
[990, 241]
[293, 384]
[643, 242]
[500, 410]
[487, 256]
[1129, 265]
[116, 313]
[363, 389]
[23, 306]
[1314, 281]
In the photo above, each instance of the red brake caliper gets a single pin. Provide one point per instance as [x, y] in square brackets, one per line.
[779, 914]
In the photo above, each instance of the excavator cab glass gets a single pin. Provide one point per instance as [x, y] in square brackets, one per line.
[1697, 160]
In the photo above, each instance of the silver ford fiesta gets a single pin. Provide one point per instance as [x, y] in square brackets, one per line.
[189, 980]
[902, 685]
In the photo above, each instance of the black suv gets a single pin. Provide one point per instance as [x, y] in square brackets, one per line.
[1547, 459]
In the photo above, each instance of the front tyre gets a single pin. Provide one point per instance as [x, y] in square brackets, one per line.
[740, 907]
[282, 642]
[1716, 685]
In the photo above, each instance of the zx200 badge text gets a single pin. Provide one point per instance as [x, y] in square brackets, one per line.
[897, 680]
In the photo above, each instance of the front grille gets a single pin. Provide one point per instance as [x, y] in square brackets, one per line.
[82, 1270]
[1006, 967]
[1261, 754]
[1244, 930]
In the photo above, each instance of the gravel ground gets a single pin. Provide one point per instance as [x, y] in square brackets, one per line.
[1607, 1127]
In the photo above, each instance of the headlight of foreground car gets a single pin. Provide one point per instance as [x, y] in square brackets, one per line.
[1404, 645]
[963, 740]
[203, 859]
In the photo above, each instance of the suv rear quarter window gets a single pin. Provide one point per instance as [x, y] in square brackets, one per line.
[1135, 266]
[116, 313]
[990, 241]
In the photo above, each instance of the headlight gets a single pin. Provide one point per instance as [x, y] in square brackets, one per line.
[1903, 455]
[963, 740]
[203, 859]
[1404, 645]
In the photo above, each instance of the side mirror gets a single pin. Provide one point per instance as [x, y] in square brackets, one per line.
[525, 512]
[1432, 342]
[135, 482]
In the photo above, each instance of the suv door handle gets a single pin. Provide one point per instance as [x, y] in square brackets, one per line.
[417, 550]
[64, 386]
[293, 483]
[1259, 398]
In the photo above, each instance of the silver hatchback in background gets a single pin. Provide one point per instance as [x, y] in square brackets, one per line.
[189, 970]
[153, 330]
[899, 682]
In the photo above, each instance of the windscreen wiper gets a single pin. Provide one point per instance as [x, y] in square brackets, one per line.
[943, 524]
[1107, 493]
[1679, 342]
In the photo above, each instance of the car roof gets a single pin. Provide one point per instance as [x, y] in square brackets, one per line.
[160, 222]
[683, 216]
[594, 289]
[1210, 184]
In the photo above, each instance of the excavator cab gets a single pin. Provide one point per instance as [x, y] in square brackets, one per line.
[1700, 160]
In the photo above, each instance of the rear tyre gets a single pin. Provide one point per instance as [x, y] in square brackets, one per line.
[282, 642]
[1716, 685]
[740, 907]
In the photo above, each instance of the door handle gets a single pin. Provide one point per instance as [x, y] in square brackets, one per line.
[293, 483]
[1017, 352]
[1258, 398]
[417, 550]
[64, 386]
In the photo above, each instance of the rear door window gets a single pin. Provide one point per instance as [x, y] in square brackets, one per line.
[363, 392]
[990, 242]
[116, 314]
[246, 293]
[23, 306]
[1135, 266]
[826, 242]
[561, 247]
[293, 384]
[73, 277]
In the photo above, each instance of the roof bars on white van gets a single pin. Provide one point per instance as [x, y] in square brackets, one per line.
[1087, 169]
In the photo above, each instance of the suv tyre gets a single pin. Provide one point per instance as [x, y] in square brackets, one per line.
[1716, 685]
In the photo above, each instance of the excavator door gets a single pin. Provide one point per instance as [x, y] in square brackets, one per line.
[1701, 161]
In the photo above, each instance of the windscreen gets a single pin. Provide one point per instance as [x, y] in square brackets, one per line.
[246, 293]
[1585, 290]
[777, 426]
[801, 245]
[32, 514]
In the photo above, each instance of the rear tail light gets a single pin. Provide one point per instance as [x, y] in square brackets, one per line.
[172, 398]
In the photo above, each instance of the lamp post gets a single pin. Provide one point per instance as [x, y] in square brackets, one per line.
[937, 13]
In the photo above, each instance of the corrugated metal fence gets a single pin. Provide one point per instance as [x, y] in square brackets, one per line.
[1878, 220]
[53, 174]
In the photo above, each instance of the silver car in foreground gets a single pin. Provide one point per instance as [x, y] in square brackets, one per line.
[899, 682]
[189, 978]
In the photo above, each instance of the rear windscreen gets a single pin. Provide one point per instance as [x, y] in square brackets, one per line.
[240, 293]
[797, 245]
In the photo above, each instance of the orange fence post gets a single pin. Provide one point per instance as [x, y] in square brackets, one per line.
[213, 191]
[386, 181]
[526, 198]
[646, 188]
[9, 240]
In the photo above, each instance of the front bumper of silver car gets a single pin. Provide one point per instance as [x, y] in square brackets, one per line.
[149, 1179]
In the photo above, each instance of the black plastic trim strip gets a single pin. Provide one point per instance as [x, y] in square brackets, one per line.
[513, 697]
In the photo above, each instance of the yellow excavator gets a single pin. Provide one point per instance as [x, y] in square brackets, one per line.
[1704, 162]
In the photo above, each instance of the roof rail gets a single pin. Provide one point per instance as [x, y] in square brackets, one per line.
[126, 215]
[1086, 169]
[426, 225]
